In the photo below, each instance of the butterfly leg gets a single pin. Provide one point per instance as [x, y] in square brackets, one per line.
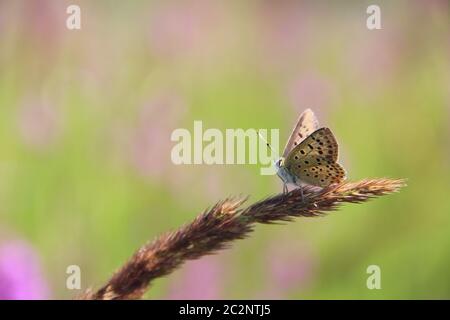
[285, 189]
[301, 192]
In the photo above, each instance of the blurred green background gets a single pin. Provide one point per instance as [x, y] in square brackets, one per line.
[86, 117]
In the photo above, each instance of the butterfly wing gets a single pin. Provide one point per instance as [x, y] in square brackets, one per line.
[321, 144]
[314, 159]
[321, 175]
[306, 124]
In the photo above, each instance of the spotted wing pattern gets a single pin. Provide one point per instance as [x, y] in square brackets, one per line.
[314, 160]
[306, 124]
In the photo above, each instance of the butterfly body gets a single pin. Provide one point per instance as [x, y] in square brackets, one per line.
[284, 173]
[310, 156]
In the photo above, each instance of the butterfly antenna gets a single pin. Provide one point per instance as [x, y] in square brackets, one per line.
[267, 143]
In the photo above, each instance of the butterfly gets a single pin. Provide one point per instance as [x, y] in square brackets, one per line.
[310, 156]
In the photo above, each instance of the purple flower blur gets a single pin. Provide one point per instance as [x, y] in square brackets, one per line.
[20, 274]
[374, 62]
[181, 28]
[201, 280]
[286, 29]
[150, 153]
[288, 269]
[312, 90]
[38, 124]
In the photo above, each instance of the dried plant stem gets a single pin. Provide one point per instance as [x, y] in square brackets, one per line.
[225, 222]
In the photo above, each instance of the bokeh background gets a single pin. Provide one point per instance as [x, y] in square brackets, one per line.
[85, 124]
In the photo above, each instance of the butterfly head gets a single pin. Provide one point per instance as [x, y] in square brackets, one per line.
[283, 172]
[279, 163]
